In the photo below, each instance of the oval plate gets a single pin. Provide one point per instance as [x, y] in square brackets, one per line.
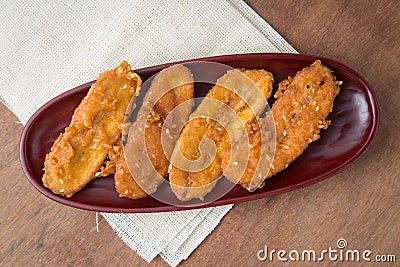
[354, 126]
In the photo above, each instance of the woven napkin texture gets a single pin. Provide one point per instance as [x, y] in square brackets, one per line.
[48, 47]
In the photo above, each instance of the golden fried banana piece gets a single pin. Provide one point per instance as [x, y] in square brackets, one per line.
[299, 113]
[125, 185]
[95, 128]
[188, 184]
[180, 79]
[109, 165]
[260, 134]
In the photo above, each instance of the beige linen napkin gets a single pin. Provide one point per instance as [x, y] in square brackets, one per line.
[48, 47]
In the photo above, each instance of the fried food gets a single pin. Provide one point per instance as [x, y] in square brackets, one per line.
[109, 165]
[150, 120]
[260, 133]
[95, 129]
[300, 111]
[124, 183]
[196, 176]
[245, 148]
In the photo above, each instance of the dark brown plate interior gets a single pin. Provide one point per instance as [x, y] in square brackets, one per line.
[354, 125]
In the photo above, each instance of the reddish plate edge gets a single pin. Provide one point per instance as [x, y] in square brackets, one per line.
[374, 119]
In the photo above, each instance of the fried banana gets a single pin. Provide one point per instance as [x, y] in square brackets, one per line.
[300, 111]
[245, 93]
[124, 183]
[260, 133]
[109, 165]
[95, 129]
[139, 146]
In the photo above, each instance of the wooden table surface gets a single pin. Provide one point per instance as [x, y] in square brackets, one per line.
[361, 204]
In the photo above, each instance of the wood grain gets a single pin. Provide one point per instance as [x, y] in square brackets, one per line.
[360, 204]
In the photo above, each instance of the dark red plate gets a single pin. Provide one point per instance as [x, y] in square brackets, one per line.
[354, 126]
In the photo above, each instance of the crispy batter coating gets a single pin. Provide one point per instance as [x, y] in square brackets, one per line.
[95, 128]
[256, 161]
[180, 78]
[125, 185]
[91, 145]
[303, 104]
[188, 184]
[300, 112]
[109, 165]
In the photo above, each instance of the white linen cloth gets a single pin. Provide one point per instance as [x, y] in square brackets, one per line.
[48, 47]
